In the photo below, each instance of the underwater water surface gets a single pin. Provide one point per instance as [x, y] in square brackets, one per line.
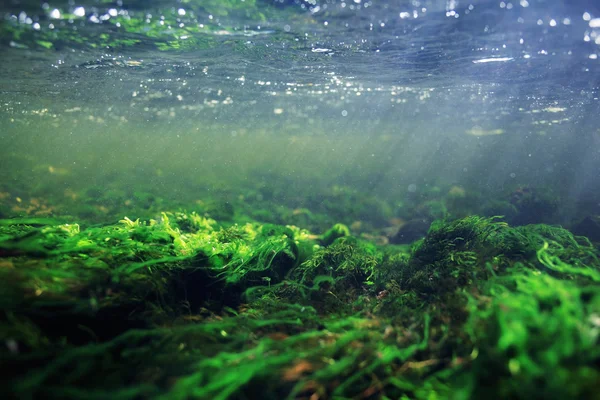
[299, 199]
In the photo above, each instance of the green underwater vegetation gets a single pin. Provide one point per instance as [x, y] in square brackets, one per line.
[186, 306]
[194, 25]
[170, 233]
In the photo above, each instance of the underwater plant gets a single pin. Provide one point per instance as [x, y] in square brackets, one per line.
[184, 306]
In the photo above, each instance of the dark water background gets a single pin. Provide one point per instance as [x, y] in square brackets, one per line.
[392, 98]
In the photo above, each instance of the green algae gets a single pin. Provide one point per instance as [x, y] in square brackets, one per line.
[538, 336]
[197, 28]
[184, 306]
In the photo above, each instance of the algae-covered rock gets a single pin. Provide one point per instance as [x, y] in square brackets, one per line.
[336, 231]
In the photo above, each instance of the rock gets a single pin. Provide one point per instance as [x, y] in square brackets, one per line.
[589, 227]
[412, 230]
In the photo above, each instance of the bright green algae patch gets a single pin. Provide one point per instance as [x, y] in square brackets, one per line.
[183, 306]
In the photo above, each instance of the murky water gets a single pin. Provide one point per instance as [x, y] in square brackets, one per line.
[391, 98]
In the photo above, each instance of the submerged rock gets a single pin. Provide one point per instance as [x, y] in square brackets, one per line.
[412, 230]
[589, 227]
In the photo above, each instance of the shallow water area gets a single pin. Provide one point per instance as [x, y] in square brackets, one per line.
[427, 93]
[300, 199]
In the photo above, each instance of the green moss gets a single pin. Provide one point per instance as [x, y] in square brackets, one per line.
[346, 257]
[535, 337]
[184, 306]
[452, 255]
[336, 231]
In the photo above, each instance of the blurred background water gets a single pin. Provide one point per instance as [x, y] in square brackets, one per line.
[455, 107]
